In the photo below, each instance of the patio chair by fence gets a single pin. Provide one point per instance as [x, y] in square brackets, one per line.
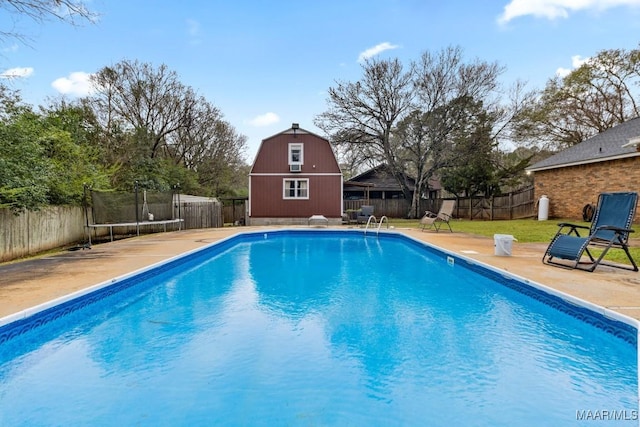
[364, 213]
[443, 216]
[609, 229]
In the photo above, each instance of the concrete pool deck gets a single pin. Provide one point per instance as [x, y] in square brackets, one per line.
[25, 284]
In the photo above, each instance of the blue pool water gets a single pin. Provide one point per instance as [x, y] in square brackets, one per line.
[318, 328]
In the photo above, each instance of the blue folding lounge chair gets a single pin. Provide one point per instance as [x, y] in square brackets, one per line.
[609, 229]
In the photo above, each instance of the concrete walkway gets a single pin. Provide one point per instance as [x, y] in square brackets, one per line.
[28, 283]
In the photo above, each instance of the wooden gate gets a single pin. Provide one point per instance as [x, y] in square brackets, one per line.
[234, 210]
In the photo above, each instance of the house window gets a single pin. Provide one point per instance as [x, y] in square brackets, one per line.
[296, 154]
[296, 188]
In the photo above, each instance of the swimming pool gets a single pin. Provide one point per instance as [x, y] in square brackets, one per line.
[318, 327]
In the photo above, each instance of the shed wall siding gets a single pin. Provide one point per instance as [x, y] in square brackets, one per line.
[318, 156]
[570, 188]
[324, 197]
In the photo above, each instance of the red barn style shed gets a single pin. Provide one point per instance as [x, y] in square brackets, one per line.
[294, 176]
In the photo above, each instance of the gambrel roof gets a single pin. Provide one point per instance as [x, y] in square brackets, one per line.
[607, 145]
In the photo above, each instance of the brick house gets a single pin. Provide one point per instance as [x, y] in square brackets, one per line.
[573, 178]
[294, 176]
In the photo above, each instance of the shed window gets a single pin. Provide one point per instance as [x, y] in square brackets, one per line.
[296, 154]
[296, 188]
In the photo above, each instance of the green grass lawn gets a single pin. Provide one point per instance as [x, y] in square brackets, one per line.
[525, 231]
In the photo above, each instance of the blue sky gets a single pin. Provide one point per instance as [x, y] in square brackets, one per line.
[266, 64]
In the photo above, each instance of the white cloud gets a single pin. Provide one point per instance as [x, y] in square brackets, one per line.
[193, 27]
[77, 84]
[377, 49]
[553, 9]
[16, 73]
[264, 120]
[576, 61]
[12, 48]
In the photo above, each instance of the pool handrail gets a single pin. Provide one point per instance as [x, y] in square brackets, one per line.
[380, 223]
[375, 221]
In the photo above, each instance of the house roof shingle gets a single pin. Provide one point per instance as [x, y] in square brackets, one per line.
[607, 145]
[379, 178]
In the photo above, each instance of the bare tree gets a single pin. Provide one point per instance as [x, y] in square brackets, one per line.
[71, 11]
[210, 146]
[596, 96]
[222, 167]
[408, 119]
[190, 144]
[423, 150]
[444, 77]
[150, 119]
[452, 94]
[151, 102]
[362, 115]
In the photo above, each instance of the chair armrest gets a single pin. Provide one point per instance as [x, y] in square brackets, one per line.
[430, 214]
[573, 228]
[568, 224]
[614, 228]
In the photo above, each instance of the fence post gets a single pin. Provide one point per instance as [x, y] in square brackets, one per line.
[491, 210]
[511, 205]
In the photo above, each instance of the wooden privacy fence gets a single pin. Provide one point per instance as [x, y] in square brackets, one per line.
[36, 231]
[200, 215]
[510, 206]
[52, 227]
[234, 210]
[515, 205]
[392, 208]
